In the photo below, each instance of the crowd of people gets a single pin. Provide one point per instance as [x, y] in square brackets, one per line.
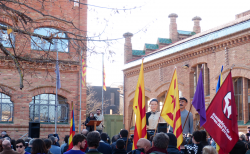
[95, 143]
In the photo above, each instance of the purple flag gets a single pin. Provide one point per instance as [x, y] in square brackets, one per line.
[199, 100]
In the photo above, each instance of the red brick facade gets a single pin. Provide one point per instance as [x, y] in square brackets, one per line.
[39, 77]
[231, 51]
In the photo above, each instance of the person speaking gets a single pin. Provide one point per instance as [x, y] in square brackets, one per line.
[152, 117]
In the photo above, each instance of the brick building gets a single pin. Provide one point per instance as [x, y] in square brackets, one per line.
[226, 45]
[36, 101]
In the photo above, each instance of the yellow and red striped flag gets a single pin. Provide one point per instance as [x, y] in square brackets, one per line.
[83, 73]
[104, 77]
[72, 129]
[139, 108]
[171, 109]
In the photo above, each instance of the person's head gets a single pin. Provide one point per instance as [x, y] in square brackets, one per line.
[1, 148]
[3, 133]
[56, 139]
[85, 132]
[196, 137]
[172, 139]
[93, 139]
[27, 142]
[120, 144]
[66, 139]
[13, 143]
[20, 146]
[38, 146]
[91, 114]
[209, 150]
[123, 133]
[31, 142]
[115, 138]
[6, 144]
[53, 140]
[104, 136]
[47, 143]
[144, 144]
[183, 102]
[98, 111]
[242, 136]
[79, 140]
[203, 135]
[160, 140]
[153, 103]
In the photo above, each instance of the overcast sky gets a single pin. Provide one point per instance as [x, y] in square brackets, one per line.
[147, 22]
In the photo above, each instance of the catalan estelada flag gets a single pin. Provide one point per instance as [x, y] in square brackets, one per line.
[104, 77]
[83, 73]
[139, 108]
[171, 109]
[72, 129]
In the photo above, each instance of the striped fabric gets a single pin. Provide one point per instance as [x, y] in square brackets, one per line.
[83, 73]
[72, 129]
[171, 110]
[139, 108]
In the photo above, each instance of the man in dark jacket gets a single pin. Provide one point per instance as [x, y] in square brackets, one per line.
[7, 148]
[123, 136]
[91, 117]
[172, 146]
[120, 147]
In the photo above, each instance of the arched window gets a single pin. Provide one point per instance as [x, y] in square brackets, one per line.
[60, 45]
[6, 108]
[5, 38]
[42, 108]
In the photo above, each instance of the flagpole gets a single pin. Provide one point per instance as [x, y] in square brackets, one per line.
[56, 92]
[80, 116]
[102, 79]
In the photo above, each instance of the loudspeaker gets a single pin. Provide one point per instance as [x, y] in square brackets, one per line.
[34, 129]
[162, 127]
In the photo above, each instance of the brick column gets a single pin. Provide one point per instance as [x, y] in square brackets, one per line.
[127, 47]
[191, 82]
[173, 34]
[245, 100]
[196, 28]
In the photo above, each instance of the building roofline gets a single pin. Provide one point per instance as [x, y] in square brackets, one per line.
[195, 40]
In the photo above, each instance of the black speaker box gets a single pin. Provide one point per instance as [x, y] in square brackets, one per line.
[34, 129]
[162, 127]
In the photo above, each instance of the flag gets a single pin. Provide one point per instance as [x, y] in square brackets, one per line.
[139, 108]
[58, 82]
[222, 117]
[83, 73]
[104, 77]
[219, 83]
[199, 100]
[72, 129]
[171, 109]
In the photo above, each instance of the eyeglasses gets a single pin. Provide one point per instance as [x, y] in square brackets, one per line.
[21, 146]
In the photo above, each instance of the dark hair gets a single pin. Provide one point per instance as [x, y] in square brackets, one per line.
[53, 140]
[124, 133]
[48, 143]
[197, 136]
[20, 141]
[153, 99]
[114, 138]
[93, 139]
[104, 136]
[38, 146]
[183, 98]
[161, 140]
[27, 142]
[120, 144]
[203, 135]
[66, 139]
[78, 138]
[90, 113]
[98, 109]
[13, 143]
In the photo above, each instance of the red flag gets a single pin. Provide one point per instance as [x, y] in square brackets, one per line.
[222, 117]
